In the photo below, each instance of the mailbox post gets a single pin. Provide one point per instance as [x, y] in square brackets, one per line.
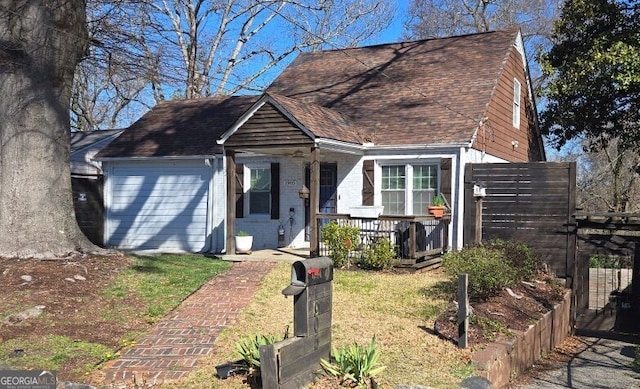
[293, 362]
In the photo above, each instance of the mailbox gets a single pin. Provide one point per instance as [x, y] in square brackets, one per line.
[310, 272]
[294, 362]
[311, 290]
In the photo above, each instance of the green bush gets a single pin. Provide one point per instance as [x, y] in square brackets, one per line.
[379, 255]
[340, 239]
[522, 257]
[490, 268]
[354, 365]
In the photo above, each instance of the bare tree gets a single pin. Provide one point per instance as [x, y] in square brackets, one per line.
[535, 18]
[432, 18]
[608, 180]
[145, 51]
[41, 42]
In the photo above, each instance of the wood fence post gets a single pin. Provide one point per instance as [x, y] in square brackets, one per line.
[463, 310]
[479, 220]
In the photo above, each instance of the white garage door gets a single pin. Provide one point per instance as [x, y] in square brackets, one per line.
[158, 206]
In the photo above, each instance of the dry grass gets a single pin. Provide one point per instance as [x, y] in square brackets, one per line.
[396, 308]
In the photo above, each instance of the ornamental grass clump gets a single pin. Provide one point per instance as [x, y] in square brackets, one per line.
[354, 364]
[249, 348]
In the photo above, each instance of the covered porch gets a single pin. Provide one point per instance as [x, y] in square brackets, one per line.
[317, 172]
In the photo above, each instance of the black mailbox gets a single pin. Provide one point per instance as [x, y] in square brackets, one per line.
[294, 362]
[311, 287]
[310, 272]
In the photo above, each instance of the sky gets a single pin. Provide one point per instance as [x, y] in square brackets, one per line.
[394, 32]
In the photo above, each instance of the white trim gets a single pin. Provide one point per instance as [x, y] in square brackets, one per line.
[340, 146]
[414, 147]
[516, 110]
[159, 158]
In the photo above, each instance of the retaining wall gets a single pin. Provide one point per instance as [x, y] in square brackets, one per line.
[507, 358]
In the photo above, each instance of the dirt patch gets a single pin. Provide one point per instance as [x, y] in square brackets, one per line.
[503, 312]
[75, 306]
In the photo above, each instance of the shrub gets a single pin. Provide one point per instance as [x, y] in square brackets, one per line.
[379, 255]
[340, 239]
[354, 364]
[488, 269]
[522, 257]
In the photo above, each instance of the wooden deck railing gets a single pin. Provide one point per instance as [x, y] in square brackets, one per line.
[415, 237]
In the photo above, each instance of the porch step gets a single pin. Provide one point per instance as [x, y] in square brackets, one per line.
[428, 263]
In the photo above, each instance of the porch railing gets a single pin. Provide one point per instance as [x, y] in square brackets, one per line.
[414, 237]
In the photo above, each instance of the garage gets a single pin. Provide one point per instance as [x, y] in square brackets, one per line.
[158, 205]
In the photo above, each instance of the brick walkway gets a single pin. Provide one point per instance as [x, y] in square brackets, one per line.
[173, 346]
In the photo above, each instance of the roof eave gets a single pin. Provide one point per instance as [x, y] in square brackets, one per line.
[340, 146]
[427, 146]
[159, 157]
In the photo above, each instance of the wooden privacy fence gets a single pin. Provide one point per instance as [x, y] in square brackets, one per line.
[533, 203]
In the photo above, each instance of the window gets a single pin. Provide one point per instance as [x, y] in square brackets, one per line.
[516, 103]
[393, 190]
[408, 189]
[260, 191]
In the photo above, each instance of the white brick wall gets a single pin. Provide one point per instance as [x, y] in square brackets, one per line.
[265, 230]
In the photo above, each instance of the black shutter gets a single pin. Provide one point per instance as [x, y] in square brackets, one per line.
[239, 190]
[445, 179]
[367, 182]
[275, 191]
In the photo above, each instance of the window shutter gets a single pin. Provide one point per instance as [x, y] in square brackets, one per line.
[445, 179]
[239, 190]
[275, 191]
[368, 172]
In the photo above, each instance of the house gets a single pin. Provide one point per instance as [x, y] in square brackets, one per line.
[87, 180]
[387, 125]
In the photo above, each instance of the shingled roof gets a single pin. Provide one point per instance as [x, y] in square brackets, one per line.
[423, 92]
[413, 93]
[180, 128]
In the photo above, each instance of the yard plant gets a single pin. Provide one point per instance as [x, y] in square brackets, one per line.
[355, 364]
[491, 267]
[341, 240]
[380, 255]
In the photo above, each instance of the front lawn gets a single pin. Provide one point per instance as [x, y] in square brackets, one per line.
[398, 308]
[93, 306]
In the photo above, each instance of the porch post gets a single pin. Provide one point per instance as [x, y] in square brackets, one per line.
[314, 202]
[231, 202]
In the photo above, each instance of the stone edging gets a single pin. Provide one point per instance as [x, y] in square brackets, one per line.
[507, 358]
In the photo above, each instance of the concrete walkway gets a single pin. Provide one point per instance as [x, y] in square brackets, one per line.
[172, 348]
[605, 364]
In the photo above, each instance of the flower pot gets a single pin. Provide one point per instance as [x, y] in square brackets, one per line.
[436, 211]
[243, 244]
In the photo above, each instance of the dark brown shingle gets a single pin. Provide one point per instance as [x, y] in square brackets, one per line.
[423, 92]
[180, 128]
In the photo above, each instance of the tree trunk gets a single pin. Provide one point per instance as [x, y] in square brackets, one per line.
[41, 42]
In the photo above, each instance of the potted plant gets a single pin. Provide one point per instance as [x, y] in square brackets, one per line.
[437, 206]
[244, 241]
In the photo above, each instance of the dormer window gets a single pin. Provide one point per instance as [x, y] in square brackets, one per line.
[516, 103]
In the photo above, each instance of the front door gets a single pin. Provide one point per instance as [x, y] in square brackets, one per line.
[328, 193]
